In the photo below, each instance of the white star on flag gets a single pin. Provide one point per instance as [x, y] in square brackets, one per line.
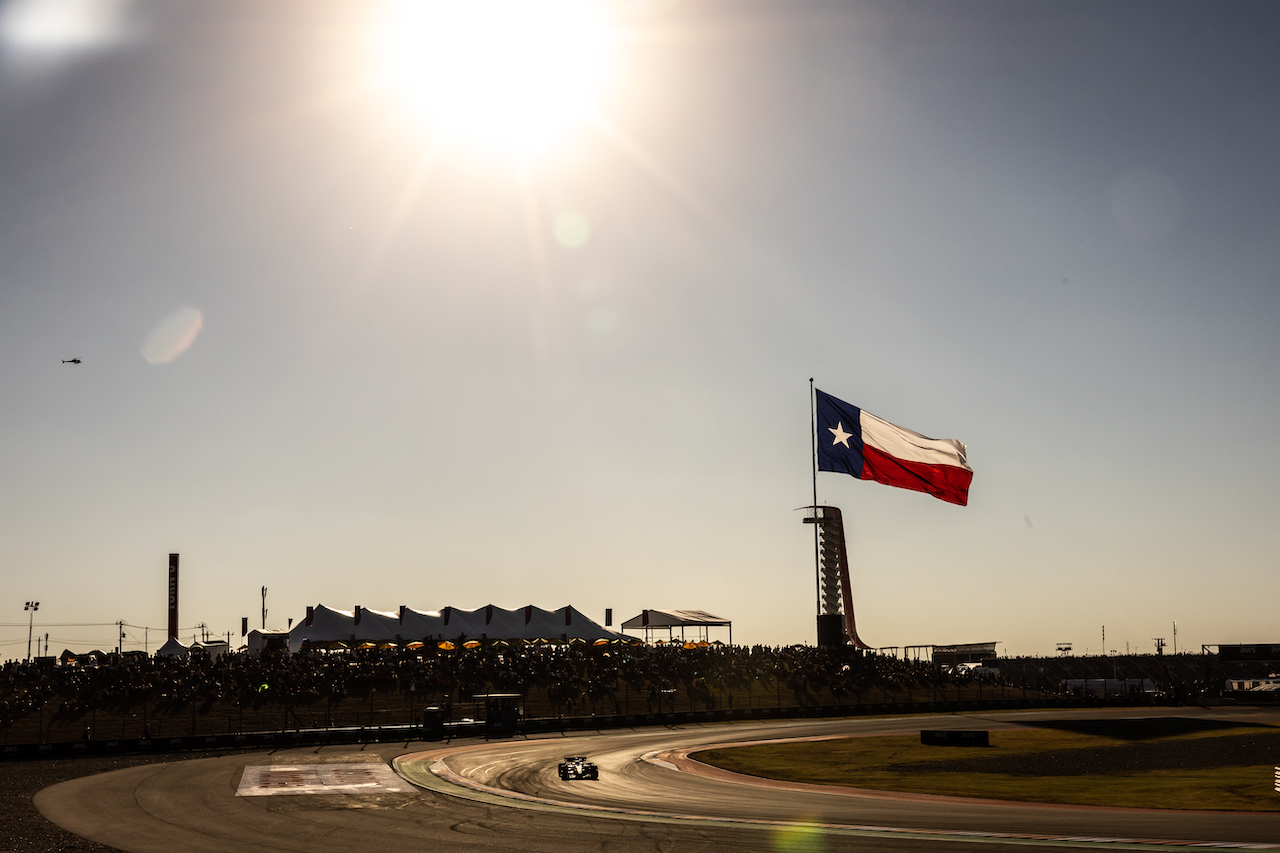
[842, 437]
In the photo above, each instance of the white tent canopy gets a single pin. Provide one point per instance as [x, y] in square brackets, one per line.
[700, 620]
[421, 623]
[327, 626]
[174, 648]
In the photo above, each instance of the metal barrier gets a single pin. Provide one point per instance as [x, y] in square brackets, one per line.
[438, 730]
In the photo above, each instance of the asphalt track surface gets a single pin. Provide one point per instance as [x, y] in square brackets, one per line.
[506, 795]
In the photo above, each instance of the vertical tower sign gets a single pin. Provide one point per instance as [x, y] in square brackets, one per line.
[173, 596]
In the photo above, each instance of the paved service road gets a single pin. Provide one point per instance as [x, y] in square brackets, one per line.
[512, 799]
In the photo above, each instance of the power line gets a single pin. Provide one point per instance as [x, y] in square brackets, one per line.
[61, 624]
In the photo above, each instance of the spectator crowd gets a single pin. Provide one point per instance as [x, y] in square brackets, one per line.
[565, 679]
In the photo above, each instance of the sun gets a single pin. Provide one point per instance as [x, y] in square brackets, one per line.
[507, 76]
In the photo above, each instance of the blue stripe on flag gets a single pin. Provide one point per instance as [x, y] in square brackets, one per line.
[839, 423]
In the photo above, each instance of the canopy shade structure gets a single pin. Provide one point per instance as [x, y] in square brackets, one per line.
[700, 620]
[325, 626]
[174, 648]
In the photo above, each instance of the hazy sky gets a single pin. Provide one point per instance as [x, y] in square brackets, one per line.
[344, 343]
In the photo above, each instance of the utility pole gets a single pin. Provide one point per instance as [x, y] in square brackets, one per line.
[120, 640]
[33, 606]
[1175, 636]
[264, 608]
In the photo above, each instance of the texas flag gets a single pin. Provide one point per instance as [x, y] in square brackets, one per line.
[851, 441]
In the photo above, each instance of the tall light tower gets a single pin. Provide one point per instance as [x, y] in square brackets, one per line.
[33, 606]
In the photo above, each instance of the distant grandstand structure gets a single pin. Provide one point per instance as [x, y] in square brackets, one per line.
[1263, 652]
[958, 653]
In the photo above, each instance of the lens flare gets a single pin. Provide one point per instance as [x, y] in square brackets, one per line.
[572, 230]
[44, 32]
[799, 838]
[505, 75]
[173, 336]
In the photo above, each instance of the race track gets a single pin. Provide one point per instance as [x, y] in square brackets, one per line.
[506, 795]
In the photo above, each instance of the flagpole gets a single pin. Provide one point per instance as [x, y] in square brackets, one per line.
[817, 560]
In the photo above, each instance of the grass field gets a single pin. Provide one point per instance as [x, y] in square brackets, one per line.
[1199, 766]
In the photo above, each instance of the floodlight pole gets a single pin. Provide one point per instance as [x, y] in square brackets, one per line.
[32, 606]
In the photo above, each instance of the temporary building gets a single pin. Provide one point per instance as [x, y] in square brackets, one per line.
[215, 649]
[420, 624]
[269, 640]
[325, 626]
[174, 648]
[375, 625]
[700, 620]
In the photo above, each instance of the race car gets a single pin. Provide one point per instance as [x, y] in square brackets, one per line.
[577, 767]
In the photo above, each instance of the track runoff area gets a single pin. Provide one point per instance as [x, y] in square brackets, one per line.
[276, 779]
[651, 794]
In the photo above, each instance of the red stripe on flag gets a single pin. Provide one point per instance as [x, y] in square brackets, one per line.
[945, 482]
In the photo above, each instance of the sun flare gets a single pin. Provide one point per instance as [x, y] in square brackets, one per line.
[498, 75]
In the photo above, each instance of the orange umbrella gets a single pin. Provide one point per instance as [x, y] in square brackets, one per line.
[446, 645]
[415, 645]
[471, 644]
[690, 645]
[601, 642]
[367, 645]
